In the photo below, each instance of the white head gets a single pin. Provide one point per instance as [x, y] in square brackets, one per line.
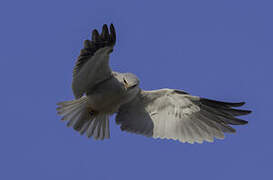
[130, 81]
[131, 84]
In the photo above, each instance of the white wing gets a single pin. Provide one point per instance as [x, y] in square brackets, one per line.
[92, 66]
[174, 114]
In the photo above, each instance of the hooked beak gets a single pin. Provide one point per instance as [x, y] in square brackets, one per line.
[126, 86]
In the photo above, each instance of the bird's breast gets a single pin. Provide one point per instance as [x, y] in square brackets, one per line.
[107, 96]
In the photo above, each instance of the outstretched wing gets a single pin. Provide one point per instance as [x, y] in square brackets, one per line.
[92, 65]
[174, 114]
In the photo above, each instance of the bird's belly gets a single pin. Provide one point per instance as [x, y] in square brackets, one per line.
[106, 97]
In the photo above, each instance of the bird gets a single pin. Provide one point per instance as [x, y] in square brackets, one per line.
[165, 113]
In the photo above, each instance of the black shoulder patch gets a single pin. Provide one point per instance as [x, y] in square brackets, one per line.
[105, 39]
[179, 91]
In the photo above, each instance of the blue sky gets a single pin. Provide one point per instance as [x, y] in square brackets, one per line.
[216, 49]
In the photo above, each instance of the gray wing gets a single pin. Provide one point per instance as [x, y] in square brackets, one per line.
[174, 114]
[92, 65]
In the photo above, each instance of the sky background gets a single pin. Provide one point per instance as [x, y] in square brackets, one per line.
[216, 49]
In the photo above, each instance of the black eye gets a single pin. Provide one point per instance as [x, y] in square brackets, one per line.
[134, 86]
[125, 82]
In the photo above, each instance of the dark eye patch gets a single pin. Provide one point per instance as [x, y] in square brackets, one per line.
[125, 81]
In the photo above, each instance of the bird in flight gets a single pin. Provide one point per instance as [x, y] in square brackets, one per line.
[164, 113]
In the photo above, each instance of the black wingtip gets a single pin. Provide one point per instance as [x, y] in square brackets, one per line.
[95, 35]
[222, 103]
[247, 112]
[237, 104]
[105, 26]
[105, 38]
[236, 121]
[105, 33]
[237, 112]
[87, 44]
[112, 33]
[243, 122]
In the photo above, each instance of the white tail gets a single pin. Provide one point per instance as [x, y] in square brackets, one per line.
[82, 120]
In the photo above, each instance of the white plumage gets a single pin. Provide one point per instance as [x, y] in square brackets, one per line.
[164, 113]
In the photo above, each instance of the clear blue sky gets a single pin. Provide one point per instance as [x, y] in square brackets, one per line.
[217, 49]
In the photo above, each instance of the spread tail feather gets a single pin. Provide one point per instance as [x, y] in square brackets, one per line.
[81, 118]
[99, 127]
